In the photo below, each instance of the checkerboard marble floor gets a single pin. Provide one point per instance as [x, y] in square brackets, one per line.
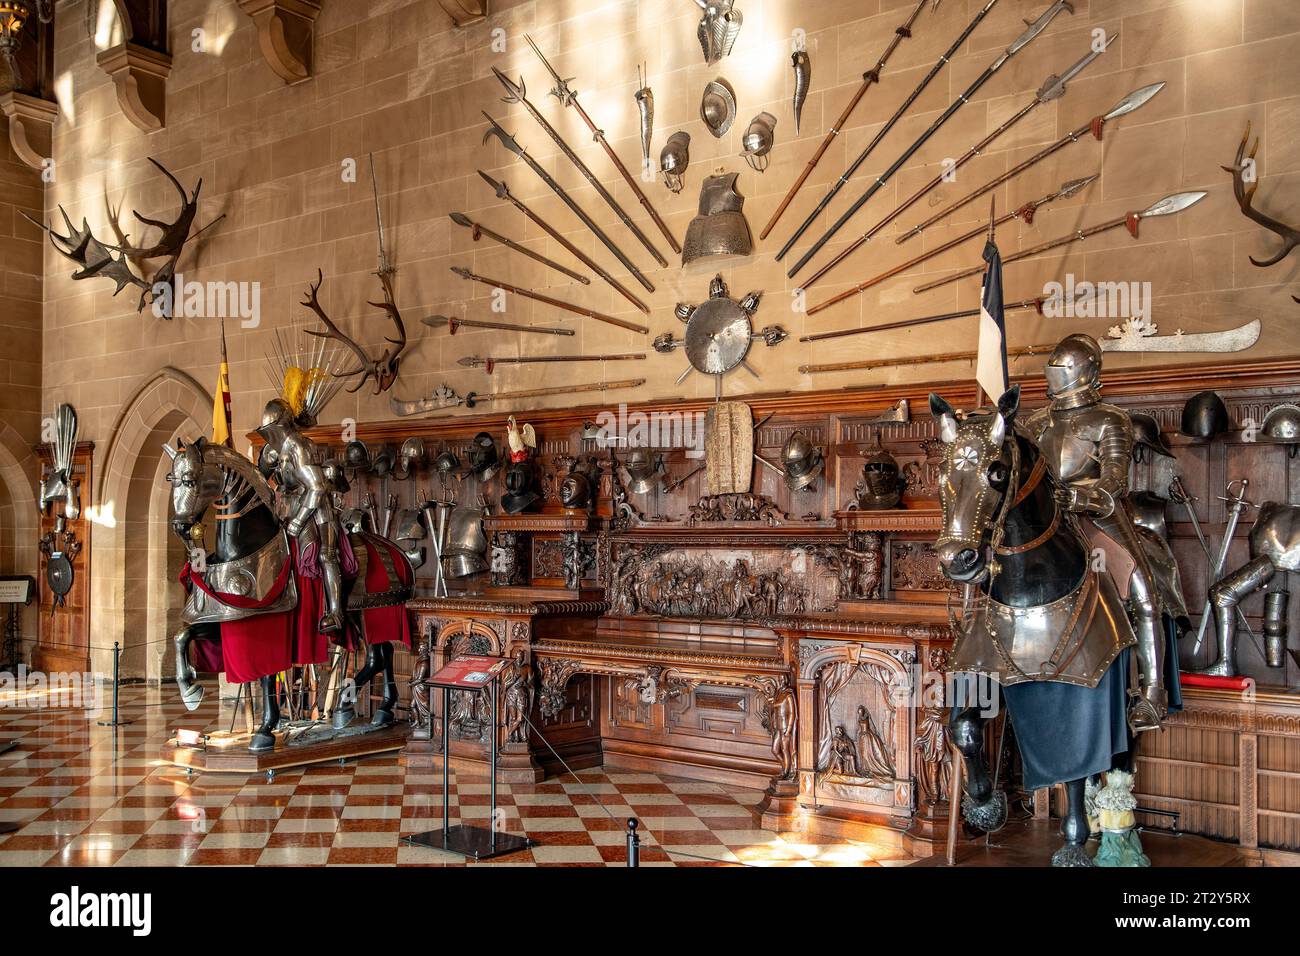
[87, 795]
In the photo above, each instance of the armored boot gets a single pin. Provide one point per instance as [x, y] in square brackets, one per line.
[383, 716]
[186, 675]
[1150, 707]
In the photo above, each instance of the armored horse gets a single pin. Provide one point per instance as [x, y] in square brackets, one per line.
[1047, 629]
[257, 598]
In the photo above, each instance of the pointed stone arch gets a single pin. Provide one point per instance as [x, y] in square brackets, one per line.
[19, 474]
[134, 595]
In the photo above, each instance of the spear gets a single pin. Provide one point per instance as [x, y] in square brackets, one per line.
[1033, 30]
[446, 398]
[518, 93]
[843, 181]
[453, 324]
[569, 97]
[1053, 88]
[512, 144]
[489, 363]
[1130, 221]
[503, 192]
[1025, 212]
[559, 304]
[478, 230]
[1037, 303]
[1125, 106]
[870, 77]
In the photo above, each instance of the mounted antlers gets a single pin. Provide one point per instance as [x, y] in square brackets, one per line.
[97, 258]
[1246, 194]
[382, 369]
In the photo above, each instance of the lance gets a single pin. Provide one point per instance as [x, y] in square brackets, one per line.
[512, 144]
[1053, 88]
[489, 363]
[1038, 303]
[1130, 221]
[503, 192]
[1095, 125]
[1033, 30]
[454, 323]
[869, 78]
[558, 303]
[518, 93]
[1025, 212]
[478, 230]
[843, 181]
[569, 97]
[444, 397]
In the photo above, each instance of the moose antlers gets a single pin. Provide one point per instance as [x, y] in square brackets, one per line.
[1245, 194]
[97, 258]
[382, 369]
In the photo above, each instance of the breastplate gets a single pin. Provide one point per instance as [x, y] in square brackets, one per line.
[1069, 442]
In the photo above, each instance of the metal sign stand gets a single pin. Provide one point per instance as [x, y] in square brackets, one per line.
[474, 842]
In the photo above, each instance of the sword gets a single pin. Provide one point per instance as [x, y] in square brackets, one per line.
[518, 93]
[444, 397]
[478, 229]
[1034, 29]
[503, 192]
[872, 76]
[1237, 503]
[385, 265]
[1178, 493]
[453, 324]
[884, 130]
[1053, 88]
[1025, 212]
[558, 303]
[1130, 221]
[490, 363]
[569, 97]
[1095, 125]
[512, 144]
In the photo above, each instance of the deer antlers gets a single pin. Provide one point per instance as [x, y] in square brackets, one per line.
[382, 369]
[1245, 194]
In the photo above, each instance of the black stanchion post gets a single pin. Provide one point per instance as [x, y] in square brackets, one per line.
[117, 668]
[633, 843]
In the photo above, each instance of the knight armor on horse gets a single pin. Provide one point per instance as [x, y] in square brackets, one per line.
[1087, 445]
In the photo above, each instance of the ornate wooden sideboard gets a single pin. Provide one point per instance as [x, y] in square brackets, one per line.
[781, 641]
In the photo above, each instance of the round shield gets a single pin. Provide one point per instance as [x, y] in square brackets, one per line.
[718, 336]
[58, 574]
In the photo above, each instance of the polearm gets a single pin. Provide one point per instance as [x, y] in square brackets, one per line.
[1025, 212]
[558, 303]
[1037, 303]
[385, 264]
[454, 324]
[1034, 29]
[1053, 88]
[569, 97]
[512, 144]
[518, 93]
[869, 78]
[446, 398]
[843, 181]
[478, 229]
[868, 364]
[503, 192]
[1095, 125]
[489, 363]
[1130, 221]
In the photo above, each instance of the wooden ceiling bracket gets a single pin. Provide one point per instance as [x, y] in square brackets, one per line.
[140, 76]
[465, 12]
[285, 32]
[31, 126]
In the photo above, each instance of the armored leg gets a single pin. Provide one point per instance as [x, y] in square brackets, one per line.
[982, 806]
[331, 575]
[1225, 595]
[345, 713]
[263, 737]
[1074, 827]
[186, 675]
[1148, 711]
[383, 716]
[1275, 615]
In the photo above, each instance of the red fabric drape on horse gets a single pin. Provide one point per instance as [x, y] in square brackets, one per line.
[386, 623]
[258, 645]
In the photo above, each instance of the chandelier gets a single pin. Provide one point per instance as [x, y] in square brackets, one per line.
[13, 15]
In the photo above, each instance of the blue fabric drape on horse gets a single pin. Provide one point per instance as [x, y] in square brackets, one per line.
[1066, 731]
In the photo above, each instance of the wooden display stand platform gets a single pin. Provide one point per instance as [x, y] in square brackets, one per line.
[237, 759]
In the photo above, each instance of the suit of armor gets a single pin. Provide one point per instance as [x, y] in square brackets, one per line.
[1087, 444]
[310, 512]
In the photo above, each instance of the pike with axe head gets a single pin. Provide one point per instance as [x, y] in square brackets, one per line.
[478, 230]
[444, 397]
